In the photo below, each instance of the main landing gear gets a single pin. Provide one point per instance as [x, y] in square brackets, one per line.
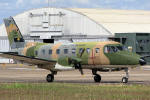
[97, 77]
[125, 79]
[50, 77]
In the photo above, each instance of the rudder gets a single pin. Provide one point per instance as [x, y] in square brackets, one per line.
[14, 35]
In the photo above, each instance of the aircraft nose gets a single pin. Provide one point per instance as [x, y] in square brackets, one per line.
[142, 61]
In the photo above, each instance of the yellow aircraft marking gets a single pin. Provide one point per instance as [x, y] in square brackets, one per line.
[10, 28]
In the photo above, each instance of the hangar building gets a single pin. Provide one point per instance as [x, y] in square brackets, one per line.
[76, 24]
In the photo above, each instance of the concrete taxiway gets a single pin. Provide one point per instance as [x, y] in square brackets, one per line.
[10, 73]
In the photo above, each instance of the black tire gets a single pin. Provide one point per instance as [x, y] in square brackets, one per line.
[97, 78]
[50, 78]
[124, 80]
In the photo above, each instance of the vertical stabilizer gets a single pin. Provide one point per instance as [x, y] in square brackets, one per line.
[14, 35]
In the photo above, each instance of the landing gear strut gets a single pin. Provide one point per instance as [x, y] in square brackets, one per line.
[125, 79]
[97, 77]
[50, 77]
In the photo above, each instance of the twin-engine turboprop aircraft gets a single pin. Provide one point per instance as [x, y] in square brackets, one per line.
[96, 56]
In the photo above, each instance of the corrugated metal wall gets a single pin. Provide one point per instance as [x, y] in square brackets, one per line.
[4, 47]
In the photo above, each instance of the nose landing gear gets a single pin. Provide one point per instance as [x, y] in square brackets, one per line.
[125, 79]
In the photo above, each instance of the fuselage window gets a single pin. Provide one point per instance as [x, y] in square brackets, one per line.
[97, 50]
[73, 51]
[43, 51]
[36, 52]
[65, 51]
[81, 50]
[58, 51]
[88, 50]
[50, 51]
[109, 49]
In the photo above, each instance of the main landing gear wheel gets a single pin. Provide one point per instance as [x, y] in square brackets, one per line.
[50, 78]
[97, 78]
[124, 80]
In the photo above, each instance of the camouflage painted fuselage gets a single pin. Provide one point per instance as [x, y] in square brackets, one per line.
[89, 53]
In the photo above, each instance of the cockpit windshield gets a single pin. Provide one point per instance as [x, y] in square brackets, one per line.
[113, 49]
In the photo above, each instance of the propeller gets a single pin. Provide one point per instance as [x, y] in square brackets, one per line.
[79, 64]
[142, 60]
[82, 52]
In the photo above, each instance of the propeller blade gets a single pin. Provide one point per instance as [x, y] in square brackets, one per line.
[78, 66]
[81, 71]
[82, 52]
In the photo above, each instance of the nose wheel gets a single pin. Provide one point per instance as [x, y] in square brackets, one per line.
[125, 79]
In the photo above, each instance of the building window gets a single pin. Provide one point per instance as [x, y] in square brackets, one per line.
[73, 51]
[58, 51]
[43, 51]
[50, 52]
[65, 51]
[88, 50]
[97, 50]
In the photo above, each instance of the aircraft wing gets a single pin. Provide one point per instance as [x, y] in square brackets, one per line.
[29, 60]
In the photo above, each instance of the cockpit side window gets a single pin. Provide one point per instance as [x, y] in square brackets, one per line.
[110, 49]
[106, 49]
[120, 48]
[114, 49]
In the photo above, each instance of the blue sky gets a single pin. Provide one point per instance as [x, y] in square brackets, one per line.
[13, 7]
